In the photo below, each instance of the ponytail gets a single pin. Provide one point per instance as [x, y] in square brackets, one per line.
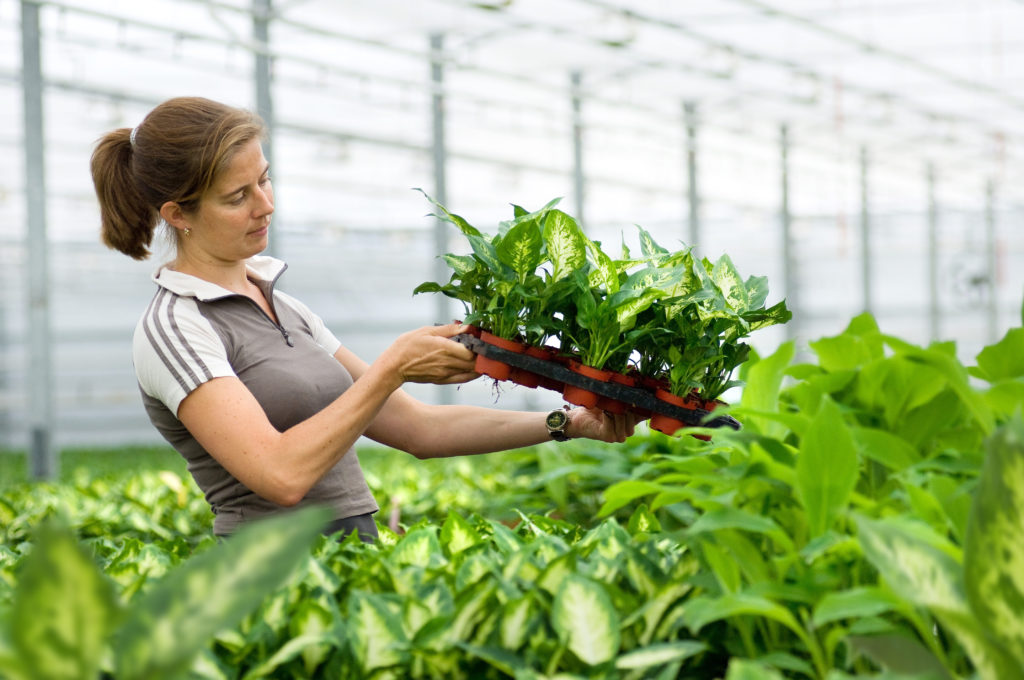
[127, 220]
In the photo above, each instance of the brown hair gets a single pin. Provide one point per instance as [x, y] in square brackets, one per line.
[178, 151]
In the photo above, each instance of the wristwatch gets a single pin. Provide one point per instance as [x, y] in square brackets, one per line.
[557, 422]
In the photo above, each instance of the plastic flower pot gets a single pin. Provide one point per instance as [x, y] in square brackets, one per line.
[614, 405]
[545, 354]
[498, 370]
[668, 424]
[580, 396]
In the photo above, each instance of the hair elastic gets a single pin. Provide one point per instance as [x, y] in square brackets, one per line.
[131, 137]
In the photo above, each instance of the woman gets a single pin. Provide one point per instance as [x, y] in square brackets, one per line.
[245, 381]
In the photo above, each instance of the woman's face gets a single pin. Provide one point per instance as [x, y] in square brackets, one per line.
[233, 217]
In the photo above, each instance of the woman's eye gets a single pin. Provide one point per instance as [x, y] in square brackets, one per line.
[239, 200]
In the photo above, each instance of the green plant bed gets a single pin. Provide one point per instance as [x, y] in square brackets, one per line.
[864, 523]
[94, 462]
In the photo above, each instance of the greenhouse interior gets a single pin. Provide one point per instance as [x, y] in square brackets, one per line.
[863, 156]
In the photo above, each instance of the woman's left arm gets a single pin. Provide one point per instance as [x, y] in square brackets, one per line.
[432, 431]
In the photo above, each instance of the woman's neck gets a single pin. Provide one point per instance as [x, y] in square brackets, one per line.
[230, 275]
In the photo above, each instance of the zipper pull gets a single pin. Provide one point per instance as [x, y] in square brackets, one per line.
[287, 338]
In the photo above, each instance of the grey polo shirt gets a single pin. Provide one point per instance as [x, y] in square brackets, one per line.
[194, 331]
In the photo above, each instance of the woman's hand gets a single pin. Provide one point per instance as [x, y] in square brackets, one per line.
[593, 423]
[427, 355]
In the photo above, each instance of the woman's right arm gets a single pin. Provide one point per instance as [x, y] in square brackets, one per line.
[225, 418]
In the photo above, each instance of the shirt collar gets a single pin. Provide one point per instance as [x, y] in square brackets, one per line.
[259, 267]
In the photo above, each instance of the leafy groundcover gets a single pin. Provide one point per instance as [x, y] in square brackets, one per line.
[867, 521]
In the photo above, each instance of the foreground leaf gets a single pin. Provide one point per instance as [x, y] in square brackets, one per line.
[63, 608]
[180, 615]
[994, 551]
[926, 576]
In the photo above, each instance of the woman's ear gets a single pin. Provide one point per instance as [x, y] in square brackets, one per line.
[173, 215]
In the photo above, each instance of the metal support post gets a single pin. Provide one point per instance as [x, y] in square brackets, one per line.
[991, 263]
[575, 78]
[443, 311]
[43, 458]
[786, 222]
[440, 168]
[934, 308]
[865, 233]
[692, 196]
[261, 16]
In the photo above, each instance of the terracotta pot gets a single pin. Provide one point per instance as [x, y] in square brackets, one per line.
[498, 370]
[578, 395]
[472, 330]
[510, 345]
[523, 377]
[614, 405]
[545, 354]
[708, 406]
[667, 424]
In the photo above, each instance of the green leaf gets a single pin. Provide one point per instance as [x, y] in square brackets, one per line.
[643, 521]
[176, 618]
[860, 343]
[625, 492]
[520, 248]
[375, 632]
[502, 659]
[706, 609]
[757, 291]
[649, 248]
[464, 226]
[420, 548]
[764, 380]
[566, 245]
[583, 615]
[488, 255]
[731, 284]
[1005, 359]
[457, 534]
[516, 622]
[428, 287]
[723, 518]
[885, 447]
[290, 650]
[63, 608]
[659, 654]
[994, 550]
[460, 264]
[826, 468]
[916, 570]
[745, 669]
[928, 577]
[855, 603]
[605, 270]
[900, 654]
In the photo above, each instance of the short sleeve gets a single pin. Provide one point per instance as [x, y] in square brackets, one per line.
[175, 350]
[321, 334]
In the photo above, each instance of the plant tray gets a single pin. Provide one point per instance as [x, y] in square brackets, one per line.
[638, 397]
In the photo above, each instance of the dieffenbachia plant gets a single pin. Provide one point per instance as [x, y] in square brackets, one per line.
[671, 315]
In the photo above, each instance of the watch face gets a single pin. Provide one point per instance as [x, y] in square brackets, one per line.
[557, 419]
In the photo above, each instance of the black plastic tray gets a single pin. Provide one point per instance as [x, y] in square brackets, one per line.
[633, 396]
